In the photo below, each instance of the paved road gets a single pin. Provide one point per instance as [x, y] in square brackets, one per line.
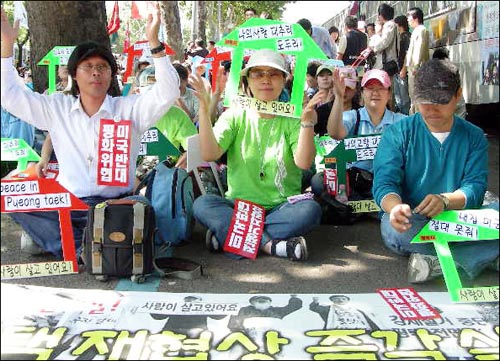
[347, 259]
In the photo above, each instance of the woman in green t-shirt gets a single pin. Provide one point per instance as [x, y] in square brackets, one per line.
[266, 154]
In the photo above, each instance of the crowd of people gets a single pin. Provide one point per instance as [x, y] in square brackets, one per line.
[429, 159]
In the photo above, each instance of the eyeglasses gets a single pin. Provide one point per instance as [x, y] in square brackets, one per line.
[260, 74]
[100, 68]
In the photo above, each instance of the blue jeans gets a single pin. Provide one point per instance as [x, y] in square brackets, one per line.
[43, 227]
[283, 221]
[471, 257]
[401, 96]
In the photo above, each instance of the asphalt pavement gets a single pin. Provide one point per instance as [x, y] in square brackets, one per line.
[342, 259]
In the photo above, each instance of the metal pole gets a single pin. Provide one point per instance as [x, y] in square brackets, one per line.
[194, 34]
[219, 11]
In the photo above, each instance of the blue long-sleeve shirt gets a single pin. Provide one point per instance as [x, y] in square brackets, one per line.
[412, 163]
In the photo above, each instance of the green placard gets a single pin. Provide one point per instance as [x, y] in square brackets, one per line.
[153, 142]
[59, 55]
[290, 39]
[18, 150]
[349, 150]
[461, 226]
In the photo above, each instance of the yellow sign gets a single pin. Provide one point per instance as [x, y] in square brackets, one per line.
[363, 206]
[29, 270]
[479, 294]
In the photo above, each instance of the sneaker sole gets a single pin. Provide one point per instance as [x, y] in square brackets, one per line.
[303, 249]
[416, 264]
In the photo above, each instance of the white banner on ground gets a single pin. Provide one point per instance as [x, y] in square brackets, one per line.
[67, 324]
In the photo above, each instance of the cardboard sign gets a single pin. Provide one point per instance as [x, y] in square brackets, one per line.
[59, 55]
[114, 152]
[42, 194]
[153, 142]
[245, 232]
[453, 226]
[214, 59]
[349, 150]
[407, 304]
[288, 39]
[138, 49]
[16, 149]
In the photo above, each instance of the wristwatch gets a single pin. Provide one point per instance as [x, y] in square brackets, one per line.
[158, 49]
[446, 201]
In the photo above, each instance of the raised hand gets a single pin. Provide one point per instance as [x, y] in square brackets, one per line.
[201, 91]
[153, 24]
[9, 33]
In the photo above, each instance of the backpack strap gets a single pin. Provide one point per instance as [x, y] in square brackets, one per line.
[138, 248]
[358, 121]
[98, 233]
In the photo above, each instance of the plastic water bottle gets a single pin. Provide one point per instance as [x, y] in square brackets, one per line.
[341, 194]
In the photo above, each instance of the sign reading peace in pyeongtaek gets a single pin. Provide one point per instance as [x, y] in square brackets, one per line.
[59, 55]
[288, 39]
[461, 226]
[41, 194]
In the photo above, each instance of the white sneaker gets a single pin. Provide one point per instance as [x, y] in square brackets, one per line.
[211, 242]
[29, 246]
[423, 267]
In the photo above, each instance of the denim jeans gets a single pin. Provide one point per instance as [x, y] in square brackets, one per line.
[283, 221]
[43, 227]
[401, 96]
[472, 257]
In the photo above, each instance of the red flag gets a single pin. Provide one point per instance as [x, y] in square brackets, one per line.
[114, 22]
[135, 14]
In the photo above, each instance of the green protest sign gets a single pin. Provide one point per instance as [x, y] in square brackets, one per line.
[461, 226]
[59, 55]
[153, 142]
[289, 39]
[349, 150]
[18, 150]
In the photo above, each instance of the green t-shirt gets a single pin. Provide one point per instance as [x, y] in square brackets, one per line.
[254, 144]
[176, 126]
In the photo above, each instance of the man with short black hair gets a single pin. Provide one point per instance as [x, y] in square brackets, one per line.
[74, 123]
[319, 35]
[385, 46]
[418, 50]
[428, 163]
[352, 42]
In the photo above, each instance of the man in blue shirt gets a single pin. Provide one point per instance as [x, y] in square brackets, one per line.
[428, 163]
[320, 36]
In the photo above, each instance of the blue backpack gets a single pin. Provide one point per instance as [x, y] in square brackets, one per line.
[170, 191]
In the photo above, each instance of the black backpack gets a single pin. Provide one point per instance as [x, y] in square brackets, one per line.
[335, 212]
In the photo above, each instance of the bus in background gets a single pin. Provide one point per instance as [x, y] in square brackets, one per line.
[469, 31]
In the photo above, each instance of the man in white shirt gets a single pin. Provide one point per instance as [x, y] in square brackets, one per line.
[74, 124]
[418, 50]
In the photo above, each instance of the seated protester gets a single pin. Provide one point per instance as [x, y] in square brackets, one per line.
[427, 163]
[266, 154]
[73, 123]
[374, 118]
[311, 81]
[325, 93]
[187, 101]
[175, 125]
